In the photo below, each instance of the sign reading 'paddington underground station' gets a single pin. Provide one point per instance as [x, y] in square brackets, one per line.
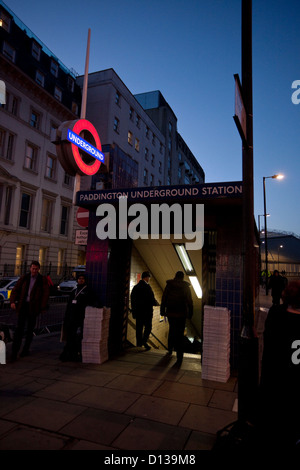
[199, 191]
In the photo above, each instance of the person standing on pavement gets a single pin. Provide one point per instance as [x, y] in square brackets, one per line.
[177, 305]
[142, 303]
[79, 299]
[29, 298]
[278, 413]
[276, 285]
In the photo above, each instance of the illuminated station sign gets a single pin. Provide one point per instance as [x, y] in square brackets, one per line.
[76, 154]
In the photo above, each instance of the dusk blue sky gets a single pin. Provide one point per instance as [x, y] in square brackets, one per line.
[190, 50]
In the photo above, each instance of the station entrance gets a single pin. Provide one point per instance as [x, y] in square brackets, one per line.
[114, 265]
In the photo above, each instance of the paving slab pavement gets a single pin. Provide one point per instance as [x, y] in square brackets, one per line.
[138, 400]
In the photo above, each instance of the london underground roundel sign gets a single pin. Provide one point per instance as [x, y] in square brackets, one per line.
[77, 154]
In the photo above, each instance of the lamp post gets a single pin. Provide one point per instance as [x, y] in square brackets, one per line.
[280, 246]
[259, 243]
[266, 234]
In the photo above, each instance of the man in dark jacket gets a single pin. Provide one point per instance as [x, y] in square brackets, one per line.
[29, 298]
[142, 302]
[177, 305]
[277, 286]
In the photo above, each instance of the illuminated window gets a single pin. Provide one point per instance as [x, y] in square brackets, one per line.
[130, 137]
[20, 258]
[4, 21]
[137, 145]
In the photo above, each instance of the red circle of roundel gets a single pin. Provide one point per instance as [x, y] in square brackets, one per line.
[84, 125]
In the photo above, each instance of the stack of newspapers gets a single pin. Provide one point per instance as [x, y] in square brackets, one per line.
[216, 344]
[95, 335]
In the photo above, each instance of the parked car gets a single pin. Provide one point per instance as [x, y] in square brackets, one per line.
[67, 286]
[6, 286]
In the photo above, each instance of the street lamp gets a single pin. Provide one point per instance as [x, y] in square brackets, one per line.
[265, 216]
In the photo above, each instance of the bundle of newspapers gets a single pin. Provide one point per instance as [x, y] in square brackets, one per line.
[94, 346]
[216, 344]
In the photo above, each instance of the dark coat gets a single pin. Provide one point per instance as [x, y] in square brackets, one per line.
[142, 299]
[39, 295]
[177, 299]
[279, 391]
[276, 285]
[75, 312]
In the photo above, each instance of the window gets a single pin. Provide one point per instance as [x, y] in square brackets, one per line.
[151, 180]
[67, 179]
[25, 210]
[74, 108]
[39, 78]
[54, 68]
[12, 104]
[145, 176]
[5, 203]
[138, 121]
[31, 157]
[46, 215]
[60, 260]
[146, 153]
[118, 98]
[64, 220]
[116, 125]
[10, 147]
[131, 113]
[70, 84]
[9, 52]
[20, 259]
[137, 145]
[130, 137]
[2, 140]
[43, 252]
[4, 21]
[152, 159]
[34, 120]
[36, 50]
[50, 167]
[57, 93]
[147, 132]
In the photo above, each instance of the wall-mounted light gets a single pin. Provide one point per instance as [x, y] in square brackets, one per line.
[189, 268]
[184, 258]
[196, 286]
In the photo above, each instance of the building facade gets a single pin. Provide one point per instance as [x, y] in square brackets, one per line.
[143, 129]
[36, 195]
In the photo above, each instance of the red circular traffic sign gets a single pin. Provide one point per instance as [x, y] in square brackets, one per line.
[82, 217]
